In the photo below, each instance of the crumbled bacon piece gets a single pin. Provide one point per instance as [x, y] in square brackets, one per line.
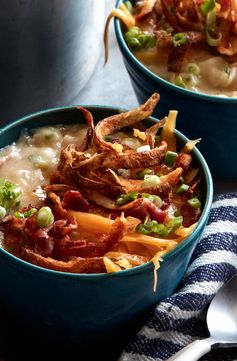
[75, 201]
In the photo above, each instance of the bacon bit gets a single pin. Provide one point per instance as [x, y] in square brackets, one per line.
[190, 214]
[75, 201]
[183, 160]
[194, 186]
[176, 58]
[155, 213]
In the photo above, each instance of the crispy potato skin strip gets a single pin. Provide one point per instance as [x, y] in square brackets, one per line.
[119, 121]
[133, 159]
[75, 265]
[90, 130]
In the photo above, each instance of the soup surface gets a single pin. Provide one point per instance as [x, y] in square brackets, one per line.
[192, 44]
[102, 198]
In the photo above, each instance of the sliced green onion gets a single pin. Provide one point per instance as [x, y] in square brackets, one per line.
[137, 39]
[141, 229]
[126, 198]
[134, 30]
[153, 198]
[211, 19]
[30, 212]
[192, 68]
[152, 227]
[157, 201]
[3, 212]
[179, 80]
[142, 173]
[175, 223]
[19, 215]
[170, 158]
[182, 188]
[195, 202]
[207, 6]
[129, 6]
[161, 230]
[44, 217]
[108, 138]
[213, 38]
[9, 195]
[151, 181]
[148, 196]
[179, 39]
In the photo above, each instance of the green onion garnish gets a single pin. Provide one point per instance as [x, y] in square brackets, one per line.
[126, 198]
[137, 39]
[151, 181]
[19, 215]
[9, 195]
[179, 80]
[141, 174]
[129, 6]
[207, 6]
[192, 69]
[213, 38]
[175, 223]
[179, 39]
[170, 158]
[153, 198]
[195, 202]
[182, 188]
[30, 212]
[141, 229]
[44, 217]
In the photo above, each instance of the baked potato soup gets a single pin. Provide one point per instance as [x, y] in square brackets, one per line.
[99, 198]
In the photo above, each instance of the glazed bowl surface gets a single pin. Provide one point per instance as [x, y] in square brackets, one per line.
[209, 117]
[86, 309]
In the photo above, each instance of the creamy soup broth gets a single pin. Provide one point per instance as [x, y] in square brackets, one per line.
[34, 157]
[216, 76]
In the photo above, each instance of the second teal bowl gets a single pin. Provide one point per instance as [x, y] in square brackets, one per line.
[212, 118]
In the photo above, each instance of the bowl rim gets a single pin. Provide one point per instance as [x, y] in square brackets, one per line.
[185, 92]
[27, 266]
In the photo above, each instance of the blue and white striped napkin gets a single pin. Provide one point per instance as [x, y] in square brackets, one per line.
[181, 318]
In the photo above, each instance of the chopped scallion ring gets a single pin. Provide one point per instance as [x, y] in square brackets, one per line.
[170, 158]
[194, 202]
[207, 6]
[179, 39]
[182, 188]
[44, 217]
[126, 198]
[192, 68]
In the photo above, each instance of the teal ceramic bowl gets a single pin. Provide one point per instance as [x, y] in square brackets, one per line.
[212, 118]
[89, 310]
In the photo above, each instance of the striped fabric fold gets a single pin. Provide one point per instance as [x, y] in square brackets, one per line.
[181, 318]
